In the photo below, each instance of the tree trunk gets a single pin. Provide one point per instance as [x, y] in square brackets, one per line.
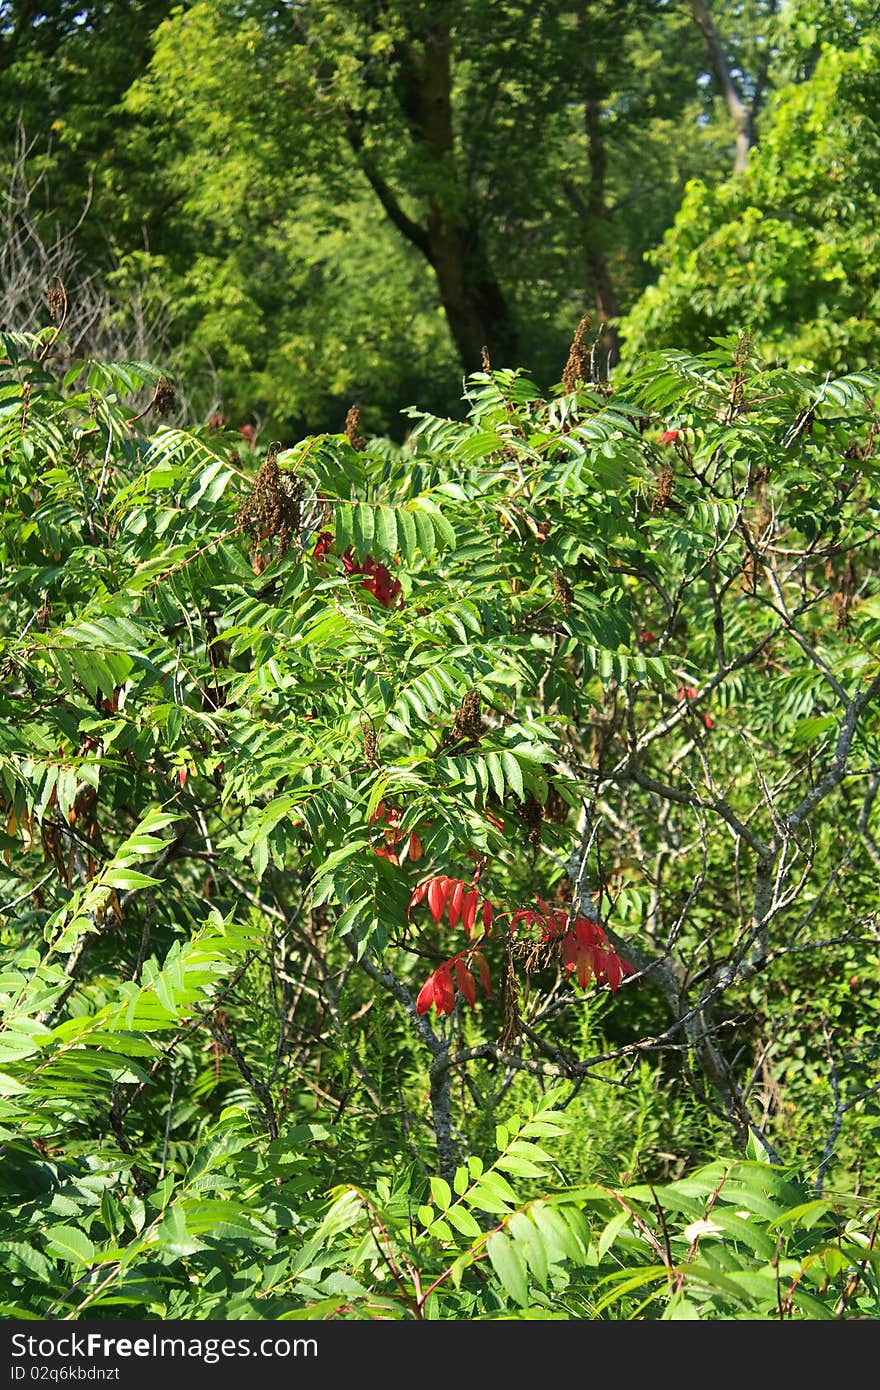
[607, 303]
[740, 111]
[472, 299]
[450, 238]
[591, 208]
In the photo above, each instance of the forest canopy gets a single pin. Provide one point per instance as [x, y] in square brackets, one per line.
[301, 206]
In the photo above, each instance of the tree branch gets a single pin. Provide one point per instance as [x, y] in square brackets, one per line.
[740, 111]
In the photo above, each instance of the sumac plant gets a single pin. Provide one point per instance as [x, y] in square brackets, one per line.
[349, 779]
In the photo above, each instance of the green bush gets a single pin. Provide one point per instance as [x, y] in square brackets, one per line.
[372, 810]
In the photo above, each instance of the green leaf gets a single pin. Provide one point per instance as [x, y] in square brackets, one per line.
[70, 1243]
[496, 772]
[386, 531]
[14, 1046]
[460, 1218]
[461, 1181]
[425, 533]
[612, 1231]
[408, 535]
[512, 773]
[441, 1193]
[343, 527]
[19, 1258]
[531, 1244]
[510, 1267]
[560, 1242]
[520, 1167]
[443, 529]
[128, 878]
[364, 529]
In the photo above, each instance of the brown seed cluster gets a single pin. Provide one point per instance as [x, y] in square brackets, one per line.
[273, 509]
[533, 956]
[531, 811]
[370, 740]
[353, 427]
[843, 600]
[511, 1026]
[740, 361]
[485, 359]
[56, 300]
[577, 368]
[562, 591]
[840, 602]
[164, 397]
[751, 572]
[665, 490]
[468, 721]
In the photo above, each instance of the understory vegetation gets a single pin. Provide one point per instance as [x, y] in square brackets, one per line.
[439, 877]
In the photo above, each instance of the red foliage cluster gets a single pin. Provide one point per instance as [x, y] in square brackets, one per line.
[669, 436]
[388, 846]
[690, 692]
[377, 578]
[323, 545]
[440, 986]
[457, 899]
[586, 950]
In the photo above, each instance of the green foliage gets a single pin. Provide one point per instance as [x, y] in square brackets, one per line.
[788, 250]
[216, 144]
[250, 705]
[735, 1239]
[261, 197]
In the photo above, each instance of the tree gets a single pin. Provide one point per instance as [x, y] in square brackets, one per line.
[787, 249]
[64, 68]
[285, 182]
[316, 138]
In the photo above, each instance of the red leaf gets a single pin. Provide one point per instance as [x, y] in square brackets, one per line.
[577, 960]
[488, 911]
[418, 895]
[554, 925]
[669, 436]
[612, 970]
[426, 996]
[388, 852]
[465, 981]
[414, 849]
[438, 990]
[323, 545]
[526, 915]
[469, 910]
[438, 892]
[455, 898]
[181, 776]
[483, 969]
